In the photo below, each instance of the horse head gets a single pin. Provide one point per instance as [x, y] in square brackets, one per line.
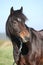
[16, 21]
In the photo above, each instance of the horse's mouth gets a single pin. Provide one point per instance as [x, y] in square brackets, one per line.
[25, 35]
[25, 39]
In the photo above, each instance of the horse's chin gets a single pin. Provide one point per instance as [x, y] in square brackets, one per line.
[25, 40]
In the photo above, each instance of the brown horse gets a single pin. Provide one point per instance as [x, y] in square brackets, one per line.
[27, 42]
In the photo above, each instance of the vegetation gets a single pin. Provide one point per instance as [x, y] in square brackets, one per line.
[6, 53]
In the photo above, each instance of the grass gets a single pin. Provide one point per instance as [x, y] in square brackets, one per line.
[2, 41]
[6, 54]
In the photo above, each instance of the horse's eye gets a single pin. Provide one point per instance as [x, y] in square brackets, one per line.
[19, 19]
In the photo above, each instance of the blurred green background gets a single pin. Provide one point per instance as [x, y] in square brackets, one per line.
[6, 52]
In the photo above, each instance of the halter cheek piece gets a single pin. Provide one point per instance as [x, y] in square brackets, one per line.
[19, 51]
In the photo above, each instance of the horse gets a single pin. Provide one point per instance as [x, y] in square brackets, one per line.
[27, 42]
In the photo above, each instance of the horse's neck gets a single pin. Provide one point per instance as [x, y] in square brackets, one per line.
[41, 32]
[33, 33]
[36, 42]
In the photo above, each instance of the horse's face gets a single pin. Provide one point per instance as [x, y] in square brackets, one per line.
[17, 20]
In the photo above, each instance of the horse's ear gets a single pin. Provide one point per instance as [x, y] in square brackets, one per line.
[21, 9]
[11, 10]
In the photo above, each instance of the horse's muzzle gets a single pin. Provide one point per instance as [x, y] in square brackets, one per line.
[25, 35]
